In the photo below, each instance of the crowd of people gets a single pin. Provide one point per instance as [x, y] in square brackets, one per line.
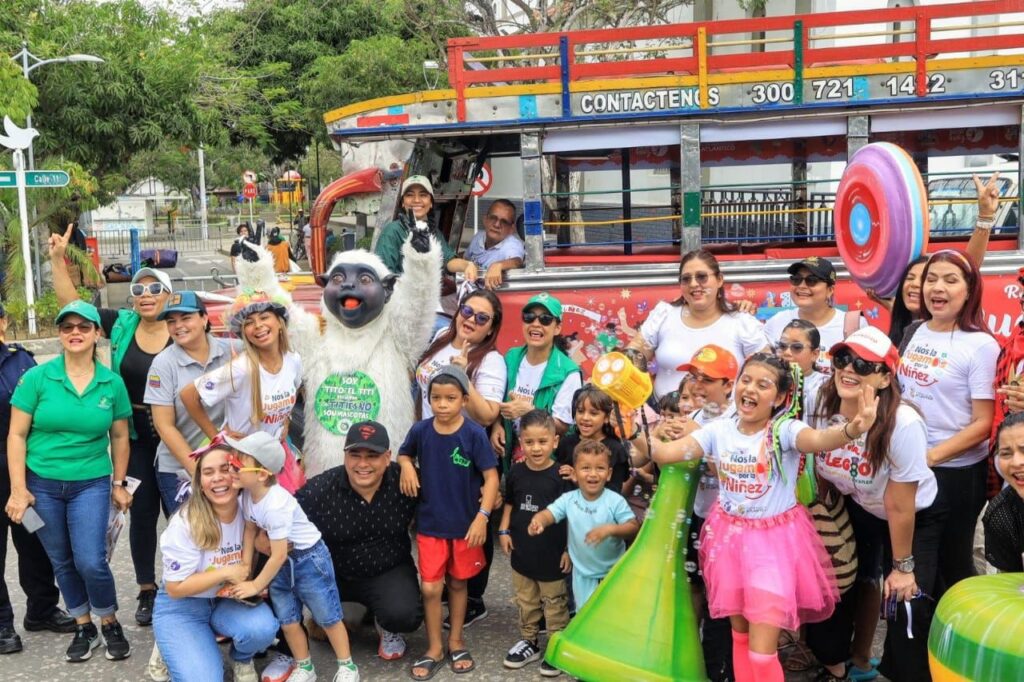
[516, 448]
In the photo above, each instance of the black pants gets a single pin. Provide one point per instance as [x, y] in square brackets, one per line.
[961, 497]
[145, 510]
[393, 597]
[35, 573]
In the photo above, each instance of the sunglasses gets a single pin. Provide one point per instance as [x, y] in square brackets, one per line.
[153, 289]
[82, 327]
[861, 367]
[782, 347]
[810, 280]
[546, 319]
[480, 318]
[235, 463]
[701, 278]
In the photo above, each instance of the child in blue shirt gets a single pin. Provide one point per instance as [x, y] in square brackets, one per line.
[600, 521]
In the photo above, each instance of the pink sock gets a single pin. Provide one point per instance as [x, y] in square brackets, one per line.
[765, 667]
[741, 657]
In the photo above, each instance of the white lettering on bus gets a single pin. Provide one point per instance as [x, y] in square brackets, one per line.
[649, 100]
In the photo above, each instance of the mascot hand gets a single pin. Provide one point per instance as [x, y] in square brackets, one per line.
[420, 240]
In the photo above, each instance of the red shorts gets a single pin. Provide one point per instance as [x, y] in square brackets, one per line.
[440, 556]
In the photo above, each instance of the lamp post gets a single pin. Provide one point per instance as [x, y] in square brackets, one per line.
[29, 63]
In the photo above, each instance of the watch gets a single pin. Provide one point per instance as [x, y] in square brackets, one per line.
[123, 483]
[904, 565]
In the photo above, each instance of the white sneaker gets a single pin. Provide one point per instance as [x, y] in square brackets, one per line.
[156, 667]
[346, 674]
[244, 672]
[300, 674]
[392, 644]
[278, 669]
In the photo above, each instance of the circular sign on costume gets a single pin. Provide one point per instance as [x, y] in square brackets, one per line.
[344, 399]
[483, 181]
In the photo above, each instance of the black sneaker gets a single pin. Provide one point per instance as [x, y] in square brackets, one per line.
[475, 610]
[57, 620]
[10, 642]
[144, 614]
[548, 670]
[825, 676]
[522, 653]
[118, 647]
[86, 639]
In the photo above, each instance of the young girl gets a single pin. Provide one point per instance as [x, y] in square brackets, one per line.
[801, 344]
[764, 564]
[641, 484]
[592, 413]
[687, 402]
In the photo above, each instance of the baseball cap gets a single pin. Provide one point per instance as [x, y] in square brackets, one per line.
[182, 302]
[454, 372]
[263, 447]
[369, 435]
[713, 361]
[546, 301]
[158, 275]
[420, 180]
[87, 311]
[871, 344]
[819, 267]
[254, 301]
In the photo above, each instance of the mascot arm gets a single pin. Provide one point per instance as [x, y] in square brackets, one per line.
[303, 327]
[417, 295]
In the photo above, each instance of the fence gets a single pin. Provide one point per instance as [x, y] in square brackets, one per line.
[184, 236]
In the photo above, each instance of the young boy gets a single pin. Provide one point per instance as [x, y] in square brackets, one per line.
[600, 521]
[455, 460]
[309, 578]
[538, 563]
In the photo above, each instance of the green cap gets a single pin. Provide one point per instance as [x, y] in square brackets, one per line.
[86, 311]
[548, 302]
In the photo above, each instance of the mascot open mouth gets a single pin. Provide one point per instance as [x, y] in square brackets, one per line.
[350, 302]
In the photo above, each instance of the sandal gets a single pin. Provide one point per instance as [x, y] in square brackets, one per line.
[800, 658]
[457, 655]
[433, 665]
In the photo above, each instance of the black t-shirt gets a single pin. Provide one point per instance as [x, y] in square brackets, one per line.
[366, 539]
[134, 370]
[529, 492]
[620, 459]
[1004, 531]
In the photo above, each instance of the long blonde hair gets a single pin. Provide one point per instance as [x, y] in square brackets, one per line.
[255, 385]
[203, 522]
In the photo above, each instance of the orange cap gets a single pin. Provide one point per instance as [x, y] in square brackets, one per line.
[713, 361]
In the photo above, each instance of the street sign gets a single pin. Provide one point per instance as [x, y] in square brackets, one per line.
[35, 179]
[248, 177]
[482, 184]
[249, 191]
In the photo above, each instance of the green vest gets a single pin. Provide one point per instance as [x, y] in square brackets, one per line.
[559, 367]
[120, 339]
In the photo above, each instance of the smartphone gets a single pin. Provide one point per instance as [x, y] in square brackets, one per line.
[31, 520]
[255, 600]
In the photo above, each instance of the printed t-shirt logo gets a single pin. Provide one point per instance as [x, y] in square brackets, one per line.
[105, 403]
[458, 459]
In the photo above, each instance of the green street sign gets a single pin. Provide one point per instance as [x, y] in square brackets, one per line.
[35, 179]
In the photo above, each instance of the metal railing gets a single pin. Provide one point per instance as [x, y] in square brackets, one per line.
[183, 237]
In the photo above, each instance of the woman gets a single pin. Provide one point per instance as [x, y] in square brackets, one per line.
[69, 433]
[947, 370]
[136, 336]
[202, 552]
[1004, 516]
[889, 490]
[813, 285]
[674, 331]
[801, 344]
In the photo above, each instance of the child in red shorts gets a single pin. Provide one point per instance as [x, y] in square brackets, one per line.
[455, 462]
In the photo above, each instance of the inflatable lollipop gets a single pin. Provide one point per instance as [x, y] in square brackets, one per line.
[881, 216]
[977, 634]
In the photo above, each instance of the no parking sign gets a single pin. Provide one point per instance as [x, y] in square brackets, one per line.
[483, 181]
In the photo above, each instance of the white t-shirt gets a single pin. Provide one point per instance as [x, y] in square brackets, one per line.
[941, 373]
[907, 462]
[812, 388]
[280, 515]
[831, 333]
[489, 379]
[675, 343]
[230, 384]
[183, 558]
[742, 491]
[707, 486]
[528, 379]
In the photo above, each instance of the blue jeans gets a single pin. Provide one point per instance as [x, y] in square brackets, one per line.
[307, 578]
[167, 483]
[75, 539]
[185, 631]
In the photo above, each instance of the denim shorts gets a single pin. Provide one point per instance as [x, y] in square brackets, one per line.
[307, 578]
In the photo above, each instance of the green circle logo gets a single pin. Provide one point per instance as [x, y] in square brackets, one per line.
[344, 399]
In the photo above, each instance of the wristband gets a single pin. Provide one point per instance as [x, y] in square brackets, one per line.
[486, 513]
[847, 433]
[985, 223]
[506, 531]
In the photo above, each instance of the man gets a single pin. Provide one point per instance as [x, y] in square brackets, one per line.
[364, 519]
[239, 249]
[497, 248]
[302, 223]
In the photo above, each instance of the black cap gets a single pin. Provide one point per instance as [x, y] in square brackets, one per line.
[370, 435]
[819, 267]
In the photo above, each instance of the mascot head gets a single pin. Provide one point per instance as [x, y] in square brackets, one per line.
[357, 287]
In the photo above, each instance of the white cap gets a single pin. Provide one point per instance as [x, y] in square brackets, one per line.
[158, 275]
[420, 180]
[262, 447]
[871, 344]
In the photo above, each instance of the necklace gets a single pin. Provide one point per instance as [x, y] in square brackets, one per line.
[82, 374]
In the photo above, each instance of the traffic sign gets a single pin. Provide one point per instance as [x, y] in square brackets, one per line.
[35, 179]
[249, 191]
[248, 177]
[482, 184]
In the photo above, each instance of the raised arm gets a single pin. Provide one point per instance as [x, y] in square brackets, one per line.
[62, 284]
[833, 437]
[417, 295]
[988, 205]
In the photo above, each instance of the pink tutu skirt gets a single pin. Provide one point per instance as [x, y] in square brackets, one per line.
[774, 571]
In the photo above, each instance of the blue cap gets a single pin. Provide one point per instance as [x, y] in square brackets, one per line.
[87, 311]
[182, 302]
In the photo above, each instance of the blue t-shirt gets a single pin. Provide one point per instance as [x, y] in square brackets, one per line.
[592, 561]
[450, 467]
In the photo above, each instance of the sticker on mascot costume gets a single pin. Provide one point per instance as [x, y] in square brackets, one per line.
[881, 216]
[344, 399]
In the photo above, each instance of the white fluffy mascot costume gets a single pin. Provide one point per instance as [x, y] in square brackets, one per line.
[358, 364]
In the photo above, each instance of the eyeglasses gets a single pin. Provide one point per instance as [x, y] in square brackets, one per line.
[235, 463]
[501, 221]
[153, 289]
[480, 318]
[700, 277]
[82, 327]
[782, 347]
[810, 280]
[861, 367]
[546, 319]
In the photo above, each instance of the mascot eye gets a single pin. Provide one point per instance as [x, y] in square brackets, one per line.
[365, 279]
[338, 278]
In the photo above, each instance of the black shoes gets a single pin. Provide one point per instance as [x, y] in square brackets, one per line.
[475, 610]
[56, 621]
[117, 645]
[86, 639]
[144, 614]
[10, 642]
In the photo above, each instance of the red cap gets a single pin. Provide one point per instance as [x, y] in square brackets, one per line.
[713, 361]
[871, 344]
